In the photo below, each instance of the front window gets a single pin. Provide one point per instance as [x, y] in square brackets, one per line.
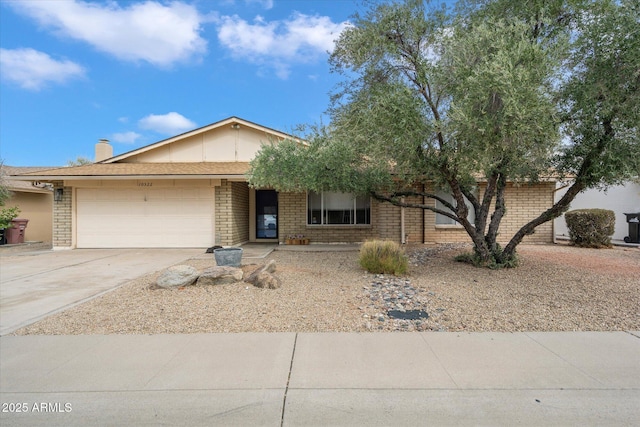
[328, 208]
[445, 220]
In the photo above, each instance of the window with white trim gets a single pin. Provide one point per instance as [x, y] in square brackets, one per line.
[445, 220]
[329, 208]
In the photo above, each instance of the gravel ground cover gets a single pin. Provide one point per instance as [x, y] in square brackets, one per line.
[556, 288]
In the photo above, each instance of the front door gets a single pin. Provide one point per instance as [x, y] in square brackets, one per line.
[266, 214]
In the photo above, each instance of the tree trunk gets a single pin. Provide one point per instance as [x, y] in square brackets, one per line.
[498, 213]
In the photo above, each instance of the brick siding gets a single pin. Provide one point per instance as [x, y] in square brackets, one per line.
[240, 212]
[524, 202]
[232, 213]
[62, 218]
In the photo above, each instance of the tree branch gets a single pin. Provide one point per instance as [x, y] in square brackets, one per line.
[394, 200]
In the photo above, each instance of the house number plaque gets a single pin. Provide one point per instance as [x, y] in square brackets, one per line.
[145, 184]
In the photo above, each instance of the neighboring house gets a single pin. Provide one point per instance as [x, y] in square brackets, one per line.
[620, 199]
[35, 200]
[191, 191]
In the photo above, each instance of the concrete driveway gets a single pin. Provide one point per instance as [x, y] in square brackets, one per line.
[36, 284]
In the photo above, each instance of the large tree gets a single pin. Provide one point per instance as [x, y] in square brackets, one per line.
[79, 161]
[5, 193]
[494, 93]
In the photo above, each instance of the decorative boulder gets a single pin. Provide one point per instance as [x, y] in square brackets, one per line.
[220, 276]
[266, 280]
[177, 276]
[269, 267]
[262, 277]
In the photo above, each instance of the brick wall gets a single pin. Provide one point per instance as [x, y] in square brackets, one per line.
[524, 202]
[390, 220]
[223, 214]
[292, 220]
[239, 212]
[62, 218]
[232, 213]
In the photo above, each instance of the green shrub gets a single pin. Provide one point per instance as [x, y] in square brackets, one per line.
[591, 228]
[8, 214]
[383, 257]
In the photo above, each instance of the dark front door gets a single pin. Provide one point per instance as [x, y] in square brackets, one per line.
[266, 214]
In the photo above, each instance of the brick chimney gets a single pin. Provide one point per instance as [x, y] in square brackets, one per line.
[104, 150]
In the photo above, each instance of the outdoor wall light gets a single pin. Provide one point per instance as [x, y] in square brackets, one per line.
[235, 126]
[57, 194]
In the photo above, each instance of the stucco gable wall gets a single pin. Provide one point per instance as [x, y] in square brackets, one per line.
[216, 145]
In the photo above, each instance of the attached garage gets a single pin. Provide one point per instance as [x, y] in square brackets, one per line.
[145, 217]
[187, 191]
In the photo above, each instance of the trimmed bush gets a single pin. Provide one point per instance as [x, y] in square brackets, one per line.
[7, 215]
[383, 257]
[591, 228]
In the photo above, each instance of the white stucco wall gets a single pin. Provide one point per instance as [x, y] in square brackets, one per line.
[620, 199]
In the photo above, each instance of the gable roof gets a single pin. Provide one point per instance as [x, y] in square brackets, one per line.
[226, 122]
[117, 167]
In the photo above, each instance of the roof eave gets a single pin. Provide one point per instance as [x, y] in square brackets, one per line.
[29, 190]
[122, 177]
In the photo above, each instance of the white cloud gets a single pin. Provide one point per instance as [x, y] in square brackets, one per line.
[126, 137]
[32, 69]
[266, 4]
[158, 33]
[279, 44]
[170, 123]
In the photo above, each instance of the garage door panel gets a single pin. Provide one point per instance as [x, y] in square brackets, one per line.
[175, 217]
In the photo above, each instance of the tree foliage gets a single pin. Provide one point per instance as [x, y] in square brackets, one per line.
[79, 161]
[499, 91]
[5, 193]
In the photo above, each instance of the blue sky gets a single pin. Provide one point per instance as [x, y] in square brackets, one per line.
[137, 72]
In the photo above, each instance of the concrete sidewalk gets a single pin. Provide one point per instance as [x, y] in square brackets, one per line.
[582, 378]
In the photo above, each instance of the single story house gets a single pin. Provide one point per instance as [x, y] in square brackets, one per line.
[191, 190]
[35, 201]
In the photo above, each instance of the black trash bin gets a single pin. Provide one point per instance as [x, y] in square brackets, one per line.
[633, 219]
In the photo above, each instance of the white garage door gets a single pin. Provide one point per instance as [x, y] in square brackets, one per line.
[145, 218]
